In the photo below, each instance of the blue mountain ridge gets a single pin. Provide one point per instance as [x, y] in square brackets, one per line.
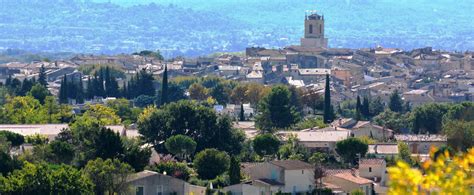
[199, 27]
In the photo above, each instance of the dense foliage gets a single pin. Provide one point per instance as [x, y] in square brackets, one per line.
[201, 123]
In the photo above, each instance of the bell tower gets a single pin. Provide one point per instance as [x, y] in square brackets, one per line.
[314, 32]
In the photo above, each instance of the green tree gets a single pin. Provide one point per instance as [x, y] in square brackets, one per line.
[328, 109]
[350, 149]
[164, 87]
[15, 139]
[427, 118]
[376, 106]
[404, 153]
[392, 120]
[174, 169]
[108, 175]
[80, 92]
[46, 179]
[39, 92]
[135, 154]
[143, 101]
[180, 145]
[365, 109]
[242, 113]
[124, 110]
[358, 109]
[62, 152]
[396, 103]
[220, 92]
[266, 144]
[293, 150]
[104, 114]
[198, 92]
[313, 100]
[234, 171]
[8, 164]
[276, 110]
[210, 163]
[63, 94]
[42, 77]
[318, 158]
[460, 134]
[23, 110]
[189, 118]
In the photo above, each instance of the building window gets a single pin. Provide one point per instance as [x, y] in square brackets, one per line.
[320, 29]
[310, 29]
[302, 171]
[140, 190]
[159, 190]
[370, 169]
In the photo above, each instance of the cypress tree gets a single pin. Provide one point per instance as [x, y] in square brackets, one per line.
[358, 109]
[234, 171]
[63, 91]
[328, 110]
[242, 114]
[80, 92]
[124, 91]
[164, 87]
[101, 90]
[113, 87]
[90, 89]
[365, 107]
[8, 82]
[108, 82]
[42, 76]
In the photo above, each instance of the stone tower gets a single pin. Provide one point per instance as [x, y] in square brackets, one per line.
[314, 32]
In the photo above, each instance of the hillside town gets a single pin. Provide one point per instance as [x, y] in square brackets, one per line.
[300, 119]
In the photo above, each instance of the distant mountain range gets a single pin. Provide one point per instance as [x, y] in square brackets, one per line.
[200, 27]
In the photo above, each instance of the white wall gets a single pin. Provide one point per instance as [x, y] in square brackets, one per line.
[299, 180]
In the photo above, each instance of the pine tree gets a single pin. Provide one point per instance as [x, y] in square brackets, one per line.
[164, 87]
[396, 102]
[328, 110]
[42, 76]
[242, 113]
[234, 171]
[358, 109]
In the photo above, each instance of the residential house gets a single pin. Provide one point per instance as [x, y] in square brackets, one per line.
[374, 169]
[287, 176]
[365, 128]
[320, 140]
[421, 144]
[152, 183]
[255, 76]
[346, 181]
[52, 130]
[242, 189]
[418, 97]
[383, 150]
[248, 127]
